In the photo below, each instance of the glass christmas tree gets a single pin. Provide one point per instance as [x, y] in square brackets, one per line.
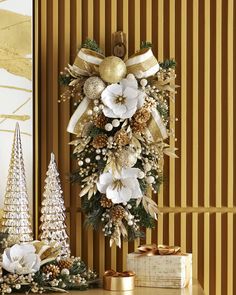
[53, 227]
[16, 217]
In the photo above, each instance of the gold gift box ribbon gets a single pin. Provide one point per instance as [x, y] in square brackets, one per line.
[118, 281]
[153, 249]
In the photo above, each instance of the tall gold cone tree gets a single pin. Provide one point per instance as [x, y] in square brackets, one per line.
[16, 217]
[53, 227]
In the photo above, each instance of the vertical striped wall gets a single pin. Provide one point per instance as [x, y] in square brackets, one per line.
[199, 195]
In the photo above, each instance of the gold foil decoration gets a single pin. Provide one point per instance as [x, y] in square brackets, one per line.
[118, 281]
[165, 85]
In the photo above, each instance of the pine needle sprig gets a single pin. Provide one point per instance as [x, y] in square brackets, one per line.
[92, 45]
[145, 44]
[168, 63]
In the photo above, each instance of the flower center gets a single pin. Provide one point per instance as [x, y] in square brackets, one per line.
[117, 184]
[120, 99]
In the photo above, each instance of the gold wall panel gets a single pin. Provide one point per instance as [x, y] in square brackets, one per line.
[198, 198]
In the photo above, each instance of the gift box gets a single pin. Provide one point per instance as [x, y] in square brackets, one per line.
[167, 269]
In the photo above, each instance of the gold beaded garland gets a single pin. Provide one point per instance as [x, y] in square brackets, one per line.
[112, 69]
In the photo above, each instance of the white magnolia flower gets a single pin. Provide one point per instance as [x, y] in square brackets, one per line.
[121, 100]
[121, 187]
[21, 259]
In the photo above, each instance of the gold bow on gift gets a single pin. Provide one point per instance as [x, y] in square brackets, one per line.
[113, 273]
[153, 249]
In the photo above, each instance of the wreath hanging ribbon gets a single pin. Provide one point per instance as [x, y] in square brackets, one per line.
[143, 64]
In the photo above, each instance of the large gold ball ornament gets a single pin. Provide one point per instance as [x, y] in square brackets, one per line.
[112, 69]
[93, 87]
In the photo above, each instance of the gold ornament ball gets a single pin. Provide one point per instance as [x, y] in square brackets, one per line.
[93, 87]
[112, 69]
[127, 158]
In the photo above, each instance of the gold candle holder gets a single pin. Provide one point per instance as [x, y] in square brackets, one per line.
[118, 281]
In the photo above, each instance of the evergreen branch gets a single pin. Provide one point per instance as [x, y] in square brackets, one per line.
[145, 44]
[64, 79]
[168, 63]
[92, 45]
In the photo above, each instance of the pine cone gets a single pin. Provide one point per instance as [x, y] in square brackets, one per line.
[65, 263]
[51, 269]
[142, 115]
[117, 213]
[121, 138]
[138, 127]
[105, 202]
[100, 141]
[100, 121]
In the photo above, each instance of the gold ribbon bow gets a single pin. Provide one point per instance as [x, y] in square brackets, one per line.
[153, 249]
[113, 273]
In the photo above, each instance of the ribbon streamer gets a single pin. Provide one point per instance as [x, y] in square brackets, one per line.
[157, 122]
[74, 125]
[153, 249]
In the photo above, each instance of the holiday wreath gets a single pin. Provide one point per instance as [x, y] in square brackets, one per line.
[122, 127]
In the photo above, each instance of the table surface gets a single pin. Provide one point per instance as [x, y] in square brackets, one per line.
[195, 289]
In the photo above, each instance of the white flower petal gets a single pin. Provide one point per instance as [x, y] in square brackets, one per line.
[125, 192]
[104, 181]
[16, 252]
[119, 109]
[6, 262]
[113, 195]
[21, 259]
[129, 83]
[118, 196]
[109, 113]
[115, 89]
[129, 113]
[131, 102]
[130, 172]
[32, 262]
[131, 93]
[136, 192]
[141, 98]
[109, 100]
[105, 178]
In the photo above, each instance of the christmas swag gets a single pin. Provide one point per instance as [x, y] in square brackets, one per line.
[122, 127]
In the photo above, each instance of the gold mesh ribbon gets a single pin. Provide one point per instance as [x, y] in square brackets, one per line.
[142, 63]
[144, 66]
[85, 62]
